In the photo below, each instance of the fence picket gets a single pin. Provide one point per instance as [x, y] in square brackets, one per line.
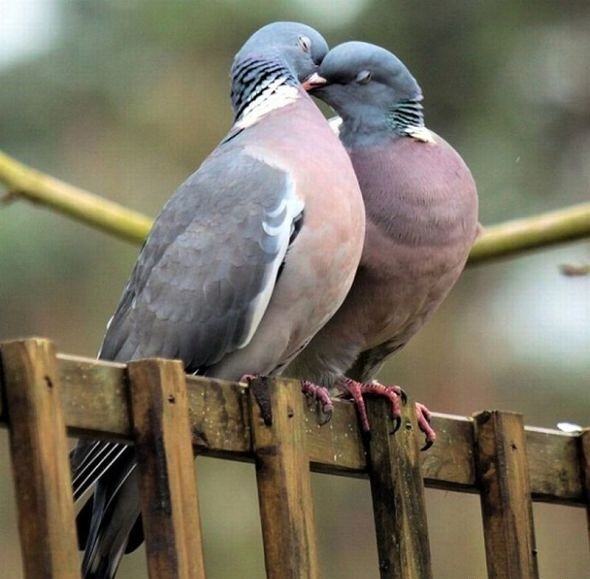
[398, 494]
[39, 452]
[167, 481]
[284, 486]
[585, 467]
[507, 510]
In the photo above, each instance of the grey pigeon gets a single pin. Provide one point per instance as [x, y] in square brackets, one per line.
[421, 210]
[245, 263]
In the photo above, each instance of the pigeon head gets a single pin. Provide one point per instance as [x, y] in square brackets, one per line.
[366, 85]
[296, 45]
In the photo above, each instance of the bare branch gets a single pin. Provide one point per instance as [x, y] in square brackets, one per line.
[24, 182]
[503, 240]
[511, 238]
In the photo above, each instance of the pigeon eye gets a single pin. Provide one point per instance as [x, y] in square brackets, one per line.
[304, 43]
[364, 77]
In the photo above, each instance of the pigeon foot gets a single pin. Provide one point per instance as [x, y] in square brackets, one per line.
[321, 396]
[424, 419]
[356, 390]
[397, 397]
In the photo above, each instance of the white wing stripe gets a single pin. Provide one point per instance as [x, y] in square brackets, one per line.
[294, 207]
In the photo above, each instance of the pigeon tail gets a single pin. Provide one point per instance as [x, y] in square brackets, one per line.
[115, 512]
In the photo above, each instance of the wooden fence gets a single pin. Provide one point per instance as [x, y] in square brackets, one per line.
[153, 404]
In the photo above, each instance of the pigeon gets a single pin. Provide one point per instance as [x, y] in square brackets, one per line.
[421, 220]
[245, 263]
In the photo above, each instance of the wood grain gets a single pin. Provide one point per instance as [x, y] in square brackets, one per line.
[95, 405]
[507, 511]
[167, 484]
[398, 494]
[39, 451]
[284, 487]
[450, 463]
[554, 465]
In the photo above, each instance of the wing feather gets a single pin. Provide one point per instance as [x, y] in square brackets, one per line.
[207, 272]
[203, 279]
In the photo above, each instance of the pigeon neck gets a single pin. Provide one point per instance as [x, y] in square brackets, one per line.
[406, 119]
[371, 126]
[260, 85]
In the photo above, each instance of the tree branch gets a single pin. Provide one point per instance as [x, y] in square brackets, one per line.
[110, 217]
[514, 237]
[502, 240]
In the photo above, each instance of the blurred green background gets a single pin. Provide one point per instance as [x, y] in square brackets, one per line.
[125, 98]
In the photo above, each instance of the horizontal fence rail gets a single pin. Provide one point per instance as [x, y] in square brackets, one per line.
[169, 417]
[95, 404]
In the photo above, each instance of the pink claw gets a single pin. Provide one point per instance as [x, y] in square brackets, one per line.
[322, 396]
[356, 390]
[424, 417]
[397, 397]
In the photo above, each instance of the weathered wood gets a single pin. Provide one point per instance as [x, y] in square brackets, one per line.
[39, 451]
[450, 463]
[398, 494]
[95, 405]
[284, 487]
[167, 484]
[554, 465]
[95, 397]
[585, 460]
[336, 447]
[503, 478]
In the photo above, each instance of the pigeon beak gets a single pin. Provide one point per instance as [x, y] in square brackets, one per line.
[313, 81]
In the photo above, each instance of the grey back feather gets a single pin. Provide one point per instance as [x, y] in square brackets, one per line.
[207, 270]
[198, 292]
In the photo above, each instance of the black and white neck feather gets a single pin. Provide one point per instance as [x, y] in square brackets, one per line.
[260, 86]
[406, 118]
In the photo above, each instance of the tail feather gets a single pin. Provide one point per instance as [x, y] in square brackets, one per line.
[115, 511]
[93, 477]
[104, 473]
[93, 465]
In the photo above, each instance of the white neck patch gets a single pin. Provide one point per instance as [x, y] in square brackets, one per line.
[420, 134]
[275, 96]
[335, 124]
